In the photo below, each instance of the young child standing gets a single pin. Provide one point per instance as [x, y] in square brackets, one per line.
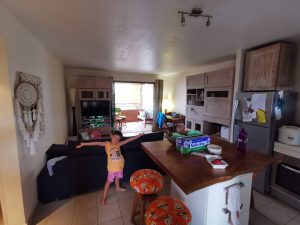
[115, 160]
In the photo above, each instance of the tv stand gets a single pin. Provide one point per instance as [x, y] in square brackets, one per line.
[95, 101]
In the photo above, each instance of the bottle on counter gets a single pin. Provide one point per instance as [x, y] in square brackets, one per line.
[242, 139]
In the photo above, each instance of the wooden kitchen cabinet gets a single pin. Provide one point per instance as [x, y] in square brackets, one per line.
[195, 81]
[220, 78]
[269, 68]
[194, 112]
[86, 82]
[218, 109]
[87, 94]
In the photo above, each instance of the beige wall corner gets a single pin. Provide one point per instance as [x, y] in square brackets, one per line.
[10, 179]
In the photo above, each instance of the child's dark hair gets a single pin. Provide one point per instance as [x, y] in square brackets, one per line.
[117, 132]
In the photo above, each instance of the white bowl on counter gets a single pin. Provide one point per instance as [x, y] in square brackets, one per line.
[214, 149]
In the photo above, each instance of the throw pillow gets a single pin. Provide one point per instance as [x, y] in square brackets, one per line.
[95, 134]
[85, 135]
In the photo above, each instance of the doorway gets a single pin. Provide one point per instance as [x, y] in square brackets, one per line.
[134, 104]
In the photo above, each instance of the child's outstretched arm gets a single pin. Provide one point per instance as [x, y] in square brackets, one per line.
[90, 144]
[130, 139]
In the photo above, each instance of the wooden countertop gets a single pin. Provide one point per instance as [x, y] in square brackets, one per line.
[191, 172]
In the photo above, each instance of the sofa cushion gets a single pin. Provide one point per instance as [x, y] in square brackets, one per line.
[155, 136]
[132, 145]
[57, 151]
[87, 150]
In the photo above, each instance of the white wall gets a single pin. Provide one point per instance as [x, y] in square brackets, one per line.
[25, 53]
[10, 179]
[174, 97]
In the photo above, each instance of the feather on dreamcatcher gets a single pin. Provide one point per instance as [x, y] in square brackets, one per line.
[29, 109]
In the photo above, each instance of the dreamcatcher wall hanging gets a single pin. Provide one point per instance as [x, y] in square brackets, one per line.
[29, 109]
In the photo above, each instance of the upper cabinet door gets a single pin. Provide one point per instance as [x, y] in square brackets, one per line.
[220, 78]
[87, 94]
[103, 94]
[261, 68]
[195, 81]
[87, 82]
[269, 68]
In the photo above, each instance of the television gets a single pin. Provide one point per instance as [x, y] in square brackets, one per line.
[95, 108]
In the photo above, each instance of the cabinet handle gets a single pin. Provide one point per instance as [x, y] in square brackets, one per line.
[192, 109]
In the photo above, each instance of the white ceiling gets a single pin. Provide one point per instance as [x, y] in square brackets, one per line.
[146, 36]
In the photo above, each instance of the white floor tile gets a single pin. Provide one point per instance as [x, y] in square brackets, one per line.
[129, 193]
[260, 199]
[295, 221]
[111, 197]
[117, 221]
[256, 218]
[126, 220]
[86, 217]
[63, 220]
[278, 212]
[126, 206]
[108, 212]
[86, 201]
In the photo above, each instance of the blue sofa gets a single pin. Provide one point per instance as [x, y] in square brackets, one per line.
[84, 169]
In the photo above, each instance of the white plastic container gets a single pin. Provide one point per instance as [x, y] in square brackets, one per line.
[224, 132]
[289, 135]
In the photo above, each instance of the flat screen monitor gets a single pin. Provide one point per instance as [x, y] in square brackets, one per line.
[95, 108]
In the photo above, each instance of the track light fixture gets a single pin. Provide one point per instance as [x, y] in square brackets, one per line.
[182, 20]
[196, 12]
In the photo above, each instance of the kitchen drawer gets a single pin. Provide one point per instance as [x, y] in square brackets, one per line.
[220, 78]
[218, 109]
[194, 112]
[218, 94]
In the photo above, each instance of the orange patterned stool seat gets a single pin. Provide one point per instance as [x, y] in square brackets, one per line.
[167, 210]
[146, 181]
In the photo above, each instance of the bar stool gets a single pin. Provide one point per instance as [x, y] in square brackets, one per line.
[146, 183]
[167, 210]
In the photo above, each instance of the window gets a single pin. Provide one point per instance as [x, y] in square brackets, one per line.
[134, 96]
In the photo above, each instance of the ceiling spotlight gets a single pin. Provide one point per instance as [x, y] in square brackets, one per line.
[208, 22]
[182, 20]
[196, 12]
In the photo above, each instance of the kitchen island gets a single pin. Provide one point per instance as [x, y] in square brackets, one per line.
[201, 187]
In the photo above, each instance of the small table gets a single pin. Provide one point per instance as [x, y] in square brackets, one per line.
[121, 122]
[175, 120]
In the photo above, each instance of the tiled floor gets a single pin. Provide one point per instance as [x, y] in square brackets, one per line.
[270, 211]
[86, 210]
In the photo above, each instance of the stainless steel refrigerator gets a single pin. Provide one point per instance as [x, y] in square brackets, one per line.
[261, 136]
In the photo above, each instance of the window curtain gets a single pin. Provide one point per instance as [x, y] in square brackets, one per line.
[158, 96]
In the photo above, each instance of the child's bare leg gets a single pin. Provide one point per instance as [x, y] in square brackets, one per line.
[105, 192]
[118, 187]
